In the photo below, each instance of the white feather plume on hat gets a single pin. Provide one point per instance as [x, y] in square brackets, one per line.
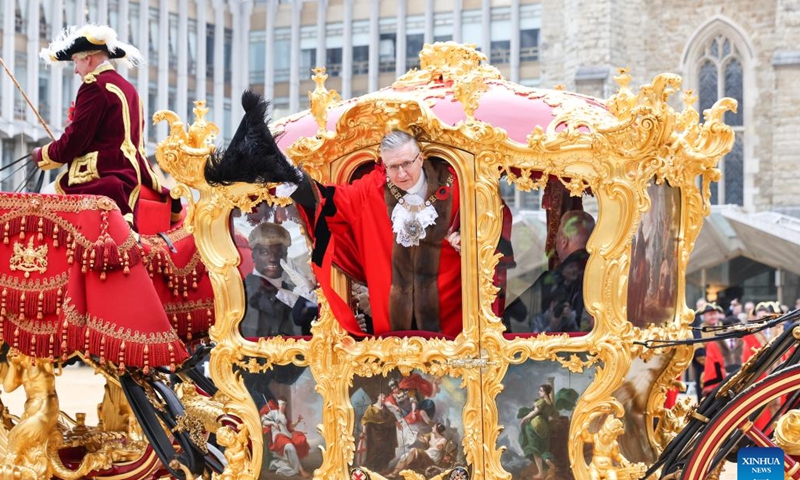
[91, 37]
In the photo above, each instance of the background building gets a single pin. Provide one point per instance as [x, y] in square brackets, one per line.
[213, 49]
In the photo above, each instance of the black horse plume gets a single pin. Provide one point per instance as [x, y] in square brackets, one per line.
[252, 156]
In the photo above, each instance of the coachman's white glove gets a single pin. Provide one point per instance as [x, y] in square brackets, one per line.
[304, 286]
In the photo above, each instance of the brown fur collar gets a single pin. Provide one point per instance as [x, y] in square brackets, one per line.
[414, 295]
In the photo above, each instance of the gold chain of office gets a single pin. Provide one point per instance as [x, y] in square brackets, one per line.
[417, 208]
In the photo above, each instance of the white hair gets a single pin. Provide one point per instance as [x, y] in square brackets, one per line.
[397, 139]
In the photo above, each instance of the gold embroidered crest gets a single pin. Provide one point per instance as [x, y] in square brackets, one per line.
[29, 259]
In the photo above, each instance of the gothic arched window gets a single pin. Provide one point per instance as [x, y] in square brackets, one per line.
[721, 75]
[717, 63]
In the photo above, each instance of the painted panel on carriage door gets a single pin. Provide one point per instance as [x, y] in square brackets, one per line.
[290, 408]
[409, 422]
[535, 410]
[653, 279]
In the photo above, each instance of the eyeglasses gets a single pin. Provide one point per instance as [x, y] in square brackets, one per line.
[393, 169]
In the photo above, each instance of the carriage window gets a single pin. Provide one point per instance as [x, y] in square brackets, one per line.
[652, 282]
[541, 270]
[280, 296]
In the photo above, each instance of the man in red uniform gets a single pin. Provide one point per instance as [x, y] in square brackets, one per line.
[103, 145]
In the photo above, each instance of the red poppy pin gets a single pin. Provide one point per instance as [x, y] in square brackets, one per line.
[443, 193]
[71, 112]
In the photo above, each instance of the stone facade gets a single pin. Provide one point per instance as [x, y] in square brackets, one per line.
[584, 42]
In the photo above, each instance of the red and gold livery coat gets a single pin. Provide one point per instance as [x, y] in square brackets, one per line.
[104, 144]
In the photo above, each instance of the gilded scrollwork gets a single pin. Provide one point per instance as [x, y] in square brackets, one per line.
[787, 432]
[613, 149]
[235, 443]
[673, 422]
[183, 152]
[321, 99]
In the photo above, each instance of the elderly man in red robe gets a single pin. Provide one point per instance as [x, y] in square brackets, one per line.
[395, 228]
[103, 145]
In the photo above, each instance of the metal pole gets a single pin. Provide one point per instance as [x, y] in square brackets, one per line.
[19, 87]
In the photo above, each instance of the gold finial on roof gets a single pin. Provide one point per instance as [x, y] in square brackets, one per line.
[445, 62]
[623, 78]
[183, 154]
[321, 99]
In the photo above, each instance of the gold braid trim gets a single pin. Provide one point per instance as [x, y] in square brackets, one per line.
[127, 147]
[159, 261]
[30, 325]
[91, 77]
[190, 306]
[159, 258]
[38, 215]
[34, 285]
[47, 163]
[111, 330]
[175, 236]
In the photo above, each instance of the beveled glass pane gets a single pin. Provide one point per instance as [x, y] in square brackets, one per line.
[708, 81]
[278, 282]
[734, 173]
[541, 278]
[734, 88]
[653, 280]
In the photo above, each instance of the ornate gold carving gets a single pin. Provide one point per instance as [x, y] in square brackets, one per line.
[787, 432]
[575, 364]
[183, 153]
[29, 259]
[321, 99]
[194, 427]
[235, 443]
[614, 148]
[200, 407]
[27, 443]
[673, 421]
[447, 62]
[607, 461]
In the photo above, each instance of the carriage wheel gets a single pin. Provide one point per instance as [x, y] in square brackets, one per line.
[734, 419]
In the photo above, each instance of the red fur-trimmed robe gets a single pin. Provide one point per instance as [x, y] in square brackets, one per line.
[422, 282]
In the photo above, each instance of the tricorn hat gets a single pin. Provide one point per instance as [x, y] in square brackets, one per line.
[267, 234]
[711, 307]
[90, 38]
